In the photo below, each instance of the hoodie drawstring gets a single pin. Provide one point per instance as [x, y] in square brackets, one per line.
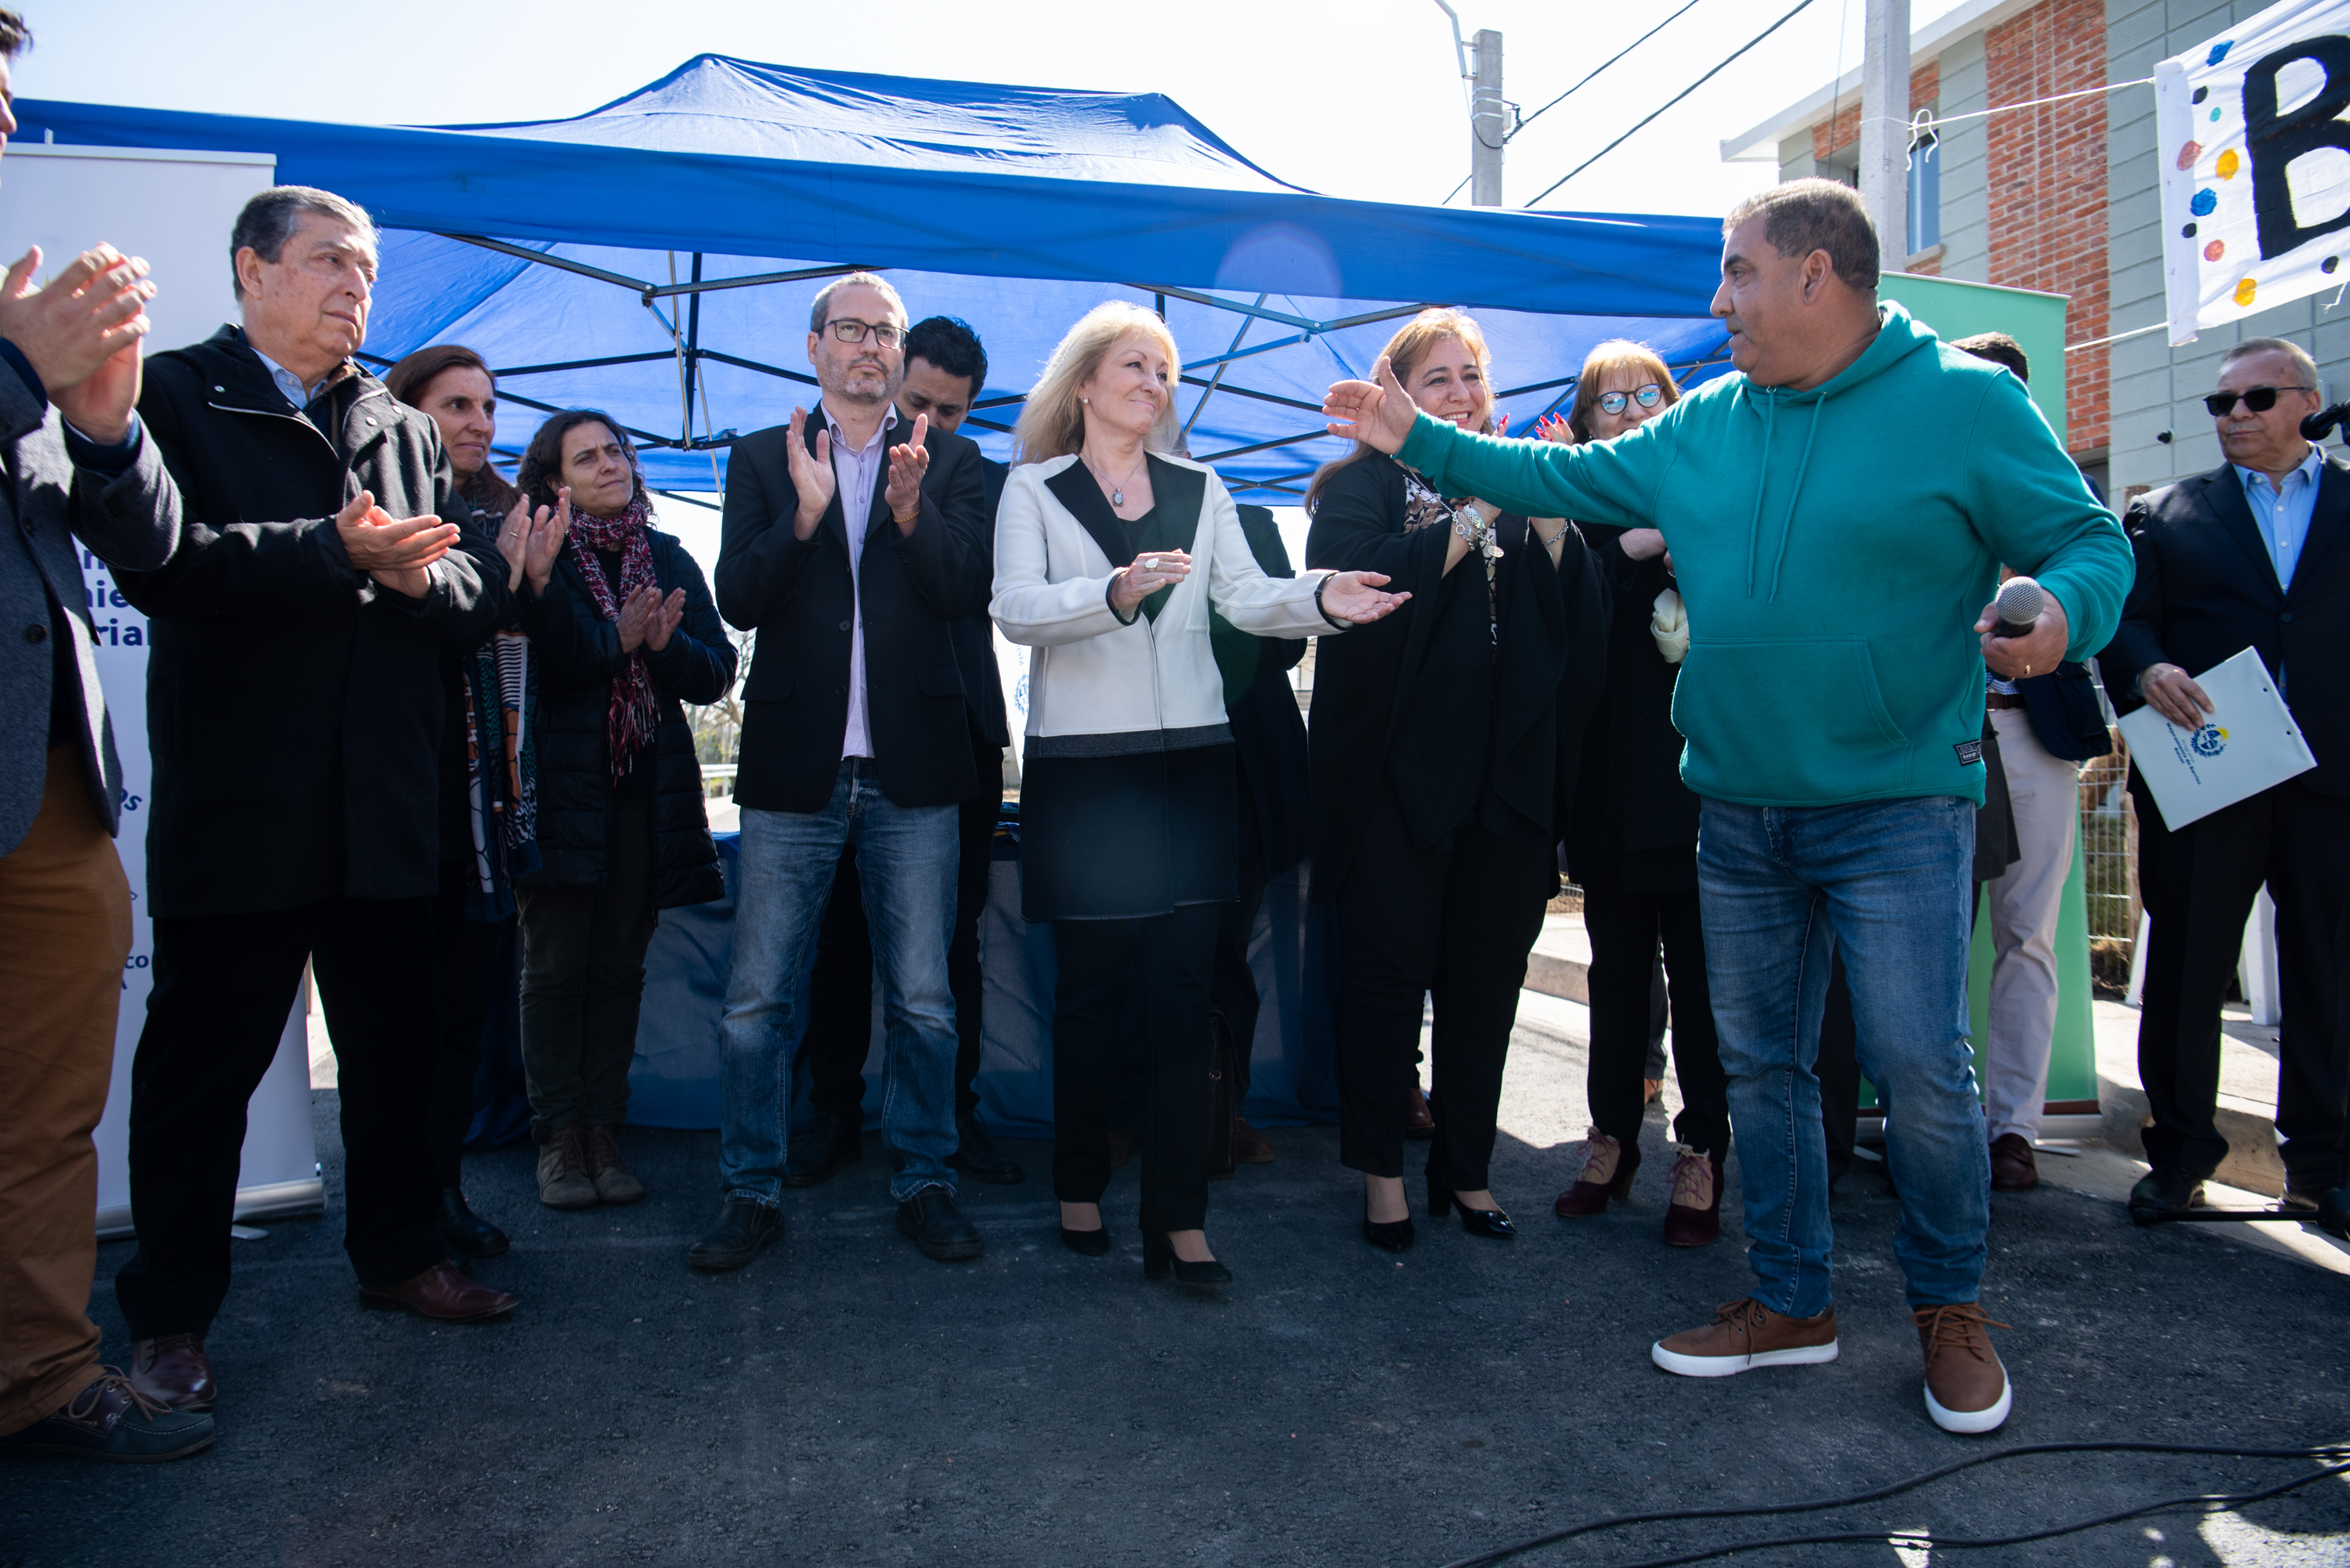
[1762, 481]
[1787, 529]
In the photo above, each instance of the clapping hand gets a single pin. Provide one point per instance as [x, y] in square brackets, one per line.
[1377, 412]
[639, 613]
[1554, 428]
[908, 463]
[812, 475]
[530, 543]
[81, 334]
[395, 553]
[666, 615]
[1356, 596]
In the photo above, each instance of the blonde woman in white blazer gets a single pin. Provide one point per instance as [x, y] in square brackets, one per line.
[1109, 556]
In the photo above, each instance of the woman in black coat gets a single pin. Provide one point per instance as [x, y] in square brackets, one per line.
[1443, 762]
[627, 635]
[1631, 846]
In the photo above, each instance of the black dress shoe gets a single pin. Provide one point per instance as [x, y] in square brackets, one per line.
[1389, 1235]
[977, 1157]
[1094, 1243]
[465, 1233]
[932, 1220]
[1158, 1260]
[832, 1146]
[743, 1227]
[1492, 1222]
[2163, 1192]
[109, 1420]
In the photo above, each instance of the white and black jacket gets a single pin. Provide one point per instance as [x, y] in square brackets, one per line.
[1098, 684]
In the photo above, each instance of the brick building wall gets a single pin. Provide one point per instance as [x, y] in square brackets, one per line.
[2048, 180]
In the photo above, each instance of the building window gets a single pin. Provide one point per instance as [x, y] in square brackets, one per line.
[1925, 193]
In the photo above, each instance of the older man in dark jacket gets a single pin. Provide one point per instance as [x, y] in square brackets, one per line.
[295, 710]
[82, 475]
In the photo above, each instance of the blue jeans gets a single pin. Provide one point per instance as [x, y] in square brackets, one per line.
[906, 861]
[1886, 883]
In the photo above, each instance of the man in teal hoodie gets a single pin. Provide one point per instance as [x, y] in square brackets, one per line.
[1837, 515]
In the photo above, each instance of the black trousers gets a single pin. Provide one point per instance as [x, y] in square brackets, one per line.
[1232, 984]
[839, 1034]
[464, 969]
[583, 981]
[2200, 884]
[1626, 925]
[1453, 920]
[1169, 958]
[1838, 1069]
[223, 985]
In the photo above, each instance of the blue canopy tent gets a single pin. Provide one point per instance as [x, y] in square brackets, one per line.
[655, 256]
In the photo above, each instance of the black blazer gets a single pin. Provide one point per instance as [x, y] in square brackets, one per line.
[1268, 732]
[2065, 718]
[579, 653]
[799, 597]
[2206, 590]
[1380, 704]
[974, 636]
[294, 709]
[1630, 799]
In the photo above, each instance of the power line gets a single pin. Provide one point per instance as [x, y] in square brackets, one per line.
[1700, 81]
[1528, 120]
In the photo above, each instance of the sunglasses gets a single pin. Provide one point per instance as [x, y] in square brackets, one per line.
[848, 329]
[2259, 399]
[1648, 397]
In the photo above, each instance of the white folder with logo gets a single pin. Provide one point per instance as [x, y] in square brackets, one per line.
[2250, 743]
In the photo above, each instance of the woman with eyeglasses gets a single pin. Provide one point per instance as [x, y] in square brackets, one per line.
[1110, 554]
[1631, 846]
[1443, 755]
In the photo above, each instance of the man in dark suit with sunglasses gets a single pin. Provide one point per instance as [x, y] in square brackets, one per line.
[2254, 553]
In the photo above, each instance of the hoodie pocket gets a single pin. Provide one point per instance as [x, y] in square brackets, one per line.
[1794, 721]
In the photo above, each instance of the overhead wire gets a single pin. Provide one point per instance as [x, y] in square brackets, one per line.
[1524, 120]
[1799, 5]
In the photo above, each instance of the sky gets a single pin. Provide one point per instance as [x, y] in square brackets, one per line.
[1359, 99]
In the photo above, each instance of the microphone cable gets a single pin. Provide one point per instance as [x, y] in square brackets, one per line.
[2333, 1457]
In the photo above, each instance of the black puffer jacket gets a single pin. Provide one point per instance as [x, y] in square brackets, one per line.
[579, 652]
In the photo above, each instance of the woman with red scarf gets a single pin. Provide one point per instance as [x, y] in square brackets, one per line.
[632, 636]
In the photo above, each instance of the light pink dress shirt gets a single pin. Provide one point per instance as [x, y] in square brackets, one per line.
[857, 471]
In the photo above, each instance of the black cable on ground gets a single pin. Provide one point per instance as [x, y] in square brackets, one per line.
[2339, 1453]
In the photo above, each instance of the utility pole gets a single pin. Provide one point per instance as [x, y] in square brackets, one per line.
[1884, 126]
[1488, 122]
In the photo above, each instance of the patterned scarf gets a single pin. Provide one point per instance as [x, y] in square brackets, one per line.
[633, 720]
[1422, 507]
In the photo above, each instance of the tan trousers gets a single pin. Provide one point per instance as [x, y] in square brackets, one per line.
[65, 932]
[2024, 905]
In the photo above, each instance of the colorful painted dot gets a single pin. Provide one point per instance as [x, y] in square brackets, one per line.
[2188, 154]
[2228, 163]
[2205, 201]
[2219, 51]
[2202, 93]
[2215, 250]
[2244, 292]
[2329, 264]
[2215, 113]
[2188, 232]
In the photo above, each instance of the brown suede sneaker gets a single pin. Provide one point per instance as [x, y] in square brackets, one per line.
[563, 1179]
[615, 1182]
[1966, 1386]
[1745, 1334]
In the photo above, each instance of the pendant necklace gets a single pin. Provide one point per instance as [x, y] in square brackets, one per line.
[1117, 491]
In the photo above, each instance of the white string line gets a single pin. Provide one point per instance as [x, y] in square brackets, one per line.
[1923, 124]
[2117, 338]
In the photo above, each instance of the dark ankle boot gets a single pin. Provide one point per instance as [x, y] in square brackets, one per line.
[465, 1233]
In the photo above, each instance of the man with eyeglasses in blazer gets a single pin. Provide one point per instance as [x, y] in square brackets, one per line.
[852, 542]
[2252, 554]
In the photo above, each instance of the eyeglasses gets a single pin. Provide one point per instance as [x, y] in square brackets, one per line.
[848, 329]
[1648, 397]
[2259, 399]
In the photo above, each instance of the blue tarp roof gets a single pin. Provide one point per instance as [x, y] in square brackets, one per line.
[1015, 208]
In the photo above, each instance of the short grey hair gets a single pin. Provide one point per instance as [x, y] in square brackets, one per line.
[1812, 214]
[872, 280]
[2304, 366]
[270, 219]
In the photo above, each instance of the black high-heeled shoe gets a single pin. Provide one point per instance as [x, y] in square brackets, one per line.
[1159, 1259]
[1388, 1235]
[1492, 1222]
[1092, 1243]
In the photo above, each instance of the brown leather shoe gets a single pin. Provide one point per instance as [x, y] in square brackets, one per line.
[563, 1179]
[1609, 1166]
[615, 1182]
[171, 1369]
[1745, 1334]
[2012, 1167]
[1693, 1218]
[1966, 1386]
[1419, 1121]
[443, 1294]
[1250, 1146]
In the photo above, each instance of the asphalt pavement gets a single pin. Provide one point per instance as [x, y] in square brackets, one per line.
[846, 1401]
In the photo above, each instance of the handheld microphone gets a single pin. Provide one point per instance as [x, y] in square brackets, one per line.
[2018, 605]
[2320, 425]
